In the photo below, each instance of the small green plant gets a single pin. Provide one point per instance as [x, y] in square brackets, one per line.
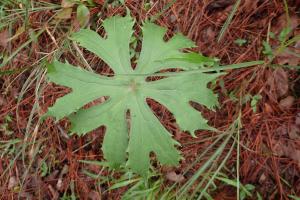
[44, 168]
[240, 42]
[149, 187]
[255, 99]
[246, 191]
[128, 90]
[140, 188]
[284, 43]
[294, 197]
[267, 50]
[4, 127]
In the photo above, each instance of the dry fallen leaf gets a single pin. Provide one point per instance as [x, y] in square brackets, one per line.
[4, 38]
[289, 150]
[262, 178]
[172, 176]
[67, 3]
[288, 57]
[294, 132]
[278, 149]
[210, 34]
[268, 108]
[295, 155]
[286, 103]
[59, 184]
[93, 195]
[281, 23]
[12, 182]
[281, 130]
[281, 82]
[249, 5]
[277, 84]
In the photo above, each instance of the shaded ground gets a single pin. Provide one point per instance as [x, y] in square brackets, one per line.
[46, 161]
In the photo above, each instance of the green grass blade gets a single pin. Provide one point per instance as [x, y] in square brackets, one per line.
[124, 183]
[228, 20]
[202, 169]
[25, 44]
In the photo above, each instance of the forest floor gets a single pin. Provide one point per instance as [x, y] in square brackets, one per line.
[260, 104]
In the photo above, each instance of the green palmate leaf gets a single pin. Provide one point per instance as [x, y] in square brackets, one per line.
[128, 90]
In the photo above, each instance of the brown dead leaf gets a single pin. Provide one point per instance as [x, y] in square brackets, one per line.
[277, 84]
[4, 38]
[281, 130]
[172, 176]
[59, 184]
[281, 23]
[93, 195]
[295, 155]
[12, 182]
[288, 57]
[286, 103]
[278, 149]
[210, 34]
[67, 3]
[281, 82]
[249, 5]
[268, 108]
[289, 150]
[294, 132]
[262, 178]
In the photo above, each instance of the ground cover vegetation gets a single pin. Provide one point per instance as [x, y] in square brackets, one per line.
[142, 99]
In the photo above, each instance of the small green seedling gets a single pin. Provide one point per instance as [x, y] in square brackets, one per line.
[267, 50]
[44, 169]
[255, 99]
[283, 36]
[129, 89]
[284, 43]
[240, 42]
